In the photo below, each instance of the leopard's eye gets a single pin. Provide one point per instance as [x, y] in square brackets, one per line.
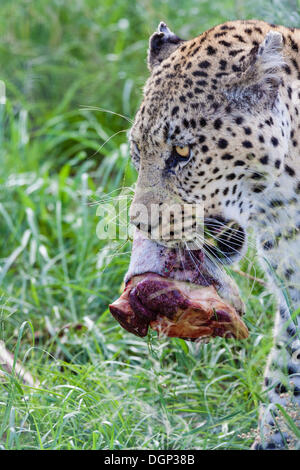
[183, 152]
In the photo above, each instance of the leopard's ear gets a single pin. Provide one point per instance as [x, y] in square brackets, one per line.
[161, 44]
[260, 80]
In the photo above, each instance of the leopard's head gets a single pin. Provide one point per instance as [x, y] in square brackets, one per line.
[212, 131]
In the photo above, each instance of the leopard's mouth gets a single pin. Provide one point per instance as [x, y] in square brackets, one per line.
[225, 239]
[180, 294]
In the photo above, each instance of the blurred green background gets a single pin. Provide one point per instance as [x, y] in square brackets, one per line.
[96, 386]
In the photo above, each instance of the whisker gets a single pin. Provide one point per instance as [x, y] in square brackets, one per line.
[96, 108]
[107, 140]
[111, 256]
[108, 197]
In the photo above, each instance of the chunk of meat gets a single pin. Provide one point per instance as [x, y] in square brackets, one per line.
[176, 308]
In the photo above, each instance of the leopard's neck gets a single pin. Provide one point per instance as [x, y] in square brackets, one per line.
[276, 222]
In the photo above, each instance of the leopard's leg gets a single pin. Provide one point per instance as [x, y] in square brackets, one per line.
[278, 239]
[282, 387]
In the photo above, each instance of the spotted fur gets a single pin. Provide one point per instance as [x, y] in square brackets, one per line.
[232, 95]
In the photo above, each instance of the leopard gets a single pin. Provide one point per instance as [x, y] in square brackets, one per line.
[219, 124]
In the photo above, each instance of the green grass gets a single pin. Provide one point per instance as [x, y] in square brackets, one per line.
[100, 387]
